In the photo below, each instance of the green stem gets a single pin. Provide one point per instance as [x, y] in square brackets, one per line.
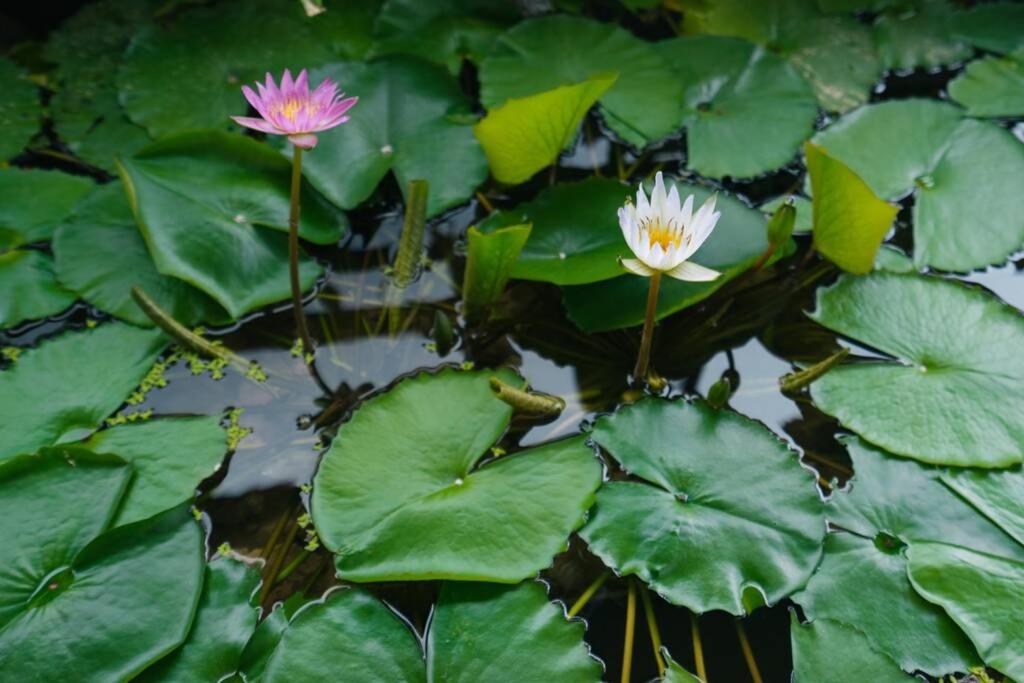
[748, 654]
[627, 647]
[643, 360]
[293, 253]
[652, 628]
[582, 601]
[274, 564]
[287, 571]
[698, 649]
[795, 381]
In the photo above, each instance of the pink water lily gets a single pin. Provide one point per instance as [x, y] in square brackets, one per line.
[293, 110]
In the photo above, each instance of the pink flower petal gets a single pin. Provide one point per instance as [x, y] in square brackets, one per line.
[287, 85]
[273, 94]
[254, 100]
[304, 140]
[302, 85]
[257, 124]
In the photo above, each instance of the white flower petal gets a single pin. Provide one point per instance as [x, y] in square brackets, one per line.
[635, 266]
[686, 213]
[692, 272]
[674, 257]
[643, 207]
[672, 205]
[656, 257]
[658, 196]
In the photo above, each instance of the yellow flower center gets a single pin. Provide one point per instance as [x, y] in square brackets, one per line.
[291, 107]
[659, 233]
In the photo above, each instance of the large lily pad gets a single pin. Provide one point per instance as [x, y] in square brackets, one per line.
[576, 237]
[644, 105]
[89, 609]
[188, 76]
[721, 515]
[30, 289]
[101, 255]
[919, 36]
[738, 240]
[993, 86]
[954, 390]
[993, 26]
[829, 650]
[66, 387]
[213, 209]
[951, 165]
[36, 202]
[997, 495]
[982, 593]
[746, 109]
[20, 110]
[412, 503]
[413, 120]
[169, 456]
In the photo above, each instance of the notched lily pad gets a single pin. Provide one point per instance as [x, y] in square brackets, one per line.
[30, 289]
[36, 202]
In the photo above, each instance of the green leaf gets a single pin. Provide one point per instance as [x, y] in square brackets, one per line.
[526, 134]
[30, 290]
[346, 27]
[213, 208]
[746, 109]
[170, 80]
[849, 220]
[412, 503]
[52, 197]
[674, 672]
[225, 620]
[69, 384]
[982, 593]
[919, 36]
[828, 650]
[804, 219]
[170, 456]
[952, 165]
[993, 26]
[20, 109]
[957, 363]
[993, 86]
[490, 258]
[101, 255]
[545, 53]
[736, 243]
[412, 119]
[694, 482]
[997, 495]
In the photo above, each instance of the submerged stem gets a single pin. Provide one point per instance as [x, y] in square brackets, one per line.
[627, 646]
[293, 254]
[652, 628]
[582, 601]
[748, 654]
[643, 360]
[698, 649]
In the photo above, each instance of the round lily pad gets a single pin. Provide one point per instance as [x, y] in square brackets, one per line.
[993, 26]
[411, 119]
[46, 199]
[413, 503]
[997, 495]
[919, 36]
[720, 514]
[575, 238]
[993, 86]
[828, 650]
[746, 109]
[957, 364]
[30, 289]
[101, 255]
[951, 165]
[644, 105]
[20, 110]
[213, 209]
[66, 386]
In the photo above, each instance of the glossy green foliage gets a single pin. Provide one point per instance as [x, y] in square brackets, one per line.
[957, 366]
[415, 502]
[20, 110]
[830, 650]
[992, 26]
[490, 259]
[997, 495]
[921, 35]
[35, 203]
[993, 86]
[699, 524]
[29, 287]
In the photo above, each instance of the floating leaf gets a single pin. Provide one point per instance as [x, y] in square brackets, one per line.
[429, 140]
[213, 208]
[347, 27]
[68, 385]
[47, 199]
[982, 593]
[411, 503]
[524, 135]
[952, 165]
[701, 524]
[490, 258]
[20, 110]
[919, 36]
[746, 109]
[546, 53]
[957, 364]
[993, 26]
[993, 86]
[30, 290]
[849, 221]
[169, 457]
[828, 650]
[997, 495]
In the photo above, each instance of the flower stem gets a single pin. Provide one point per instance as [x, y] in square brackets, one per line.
[293, 254]
[652, 628]
[582, 601]
[627, 647]
[698, 649]
[643, 360]
[748, 654]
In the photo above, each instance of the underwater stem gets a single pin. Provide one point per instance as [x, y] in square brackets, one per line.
[698, 649]
[643, 360]
[582, 601]
[627, 646]
[748, 654]
[293, 254]
[652, 628]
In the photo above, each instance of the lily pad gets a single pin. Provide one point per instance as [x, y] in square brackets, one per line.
[997, 495]
[746, 109]
[30, 290]
[982, 593]
[413, 120]
[993, 26]
[412, 503]
[170, 456]
[224, 622]
[40, 201]
[20, 110]
[101, 255]
[644, 105]
[64, 610]
[489, 260]
[828, 650]
[347, 27]
[957, 366]
[700, 523]
[213, 209]
[951, 165]
[738, 240]
[188, 76]
[526, 134]
[64, 388]
[576, 237]
[993, 86]
[919, 36]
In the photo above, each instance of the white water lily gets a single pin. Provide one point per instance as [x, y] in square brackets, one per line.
[663, 234]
